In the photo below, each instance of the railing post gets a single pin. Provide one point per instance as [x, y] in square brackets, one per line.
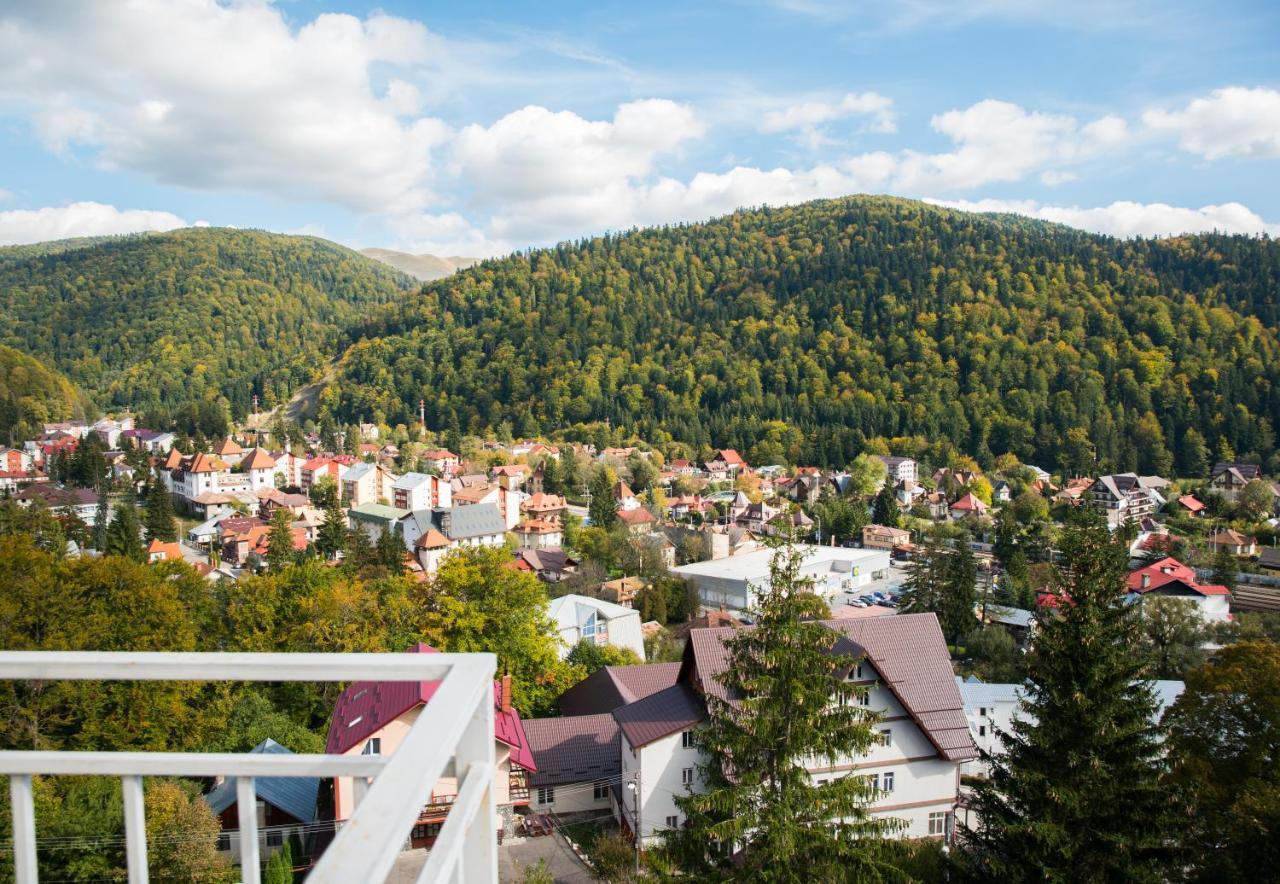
[247, 808]
[22, 801]
[479, 861]
[135, 828]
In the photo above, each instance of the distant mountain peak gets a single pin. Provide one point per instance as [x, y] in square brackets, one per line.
[423, 267]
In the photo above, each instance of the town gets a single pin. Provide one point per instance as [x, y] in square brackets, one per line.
[649, 560]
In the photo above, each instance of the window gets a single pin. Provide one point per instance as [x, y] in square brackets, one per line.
[546, 795]
[600, 791]
[373, 746]
[673, 821]
[886, 737]
[864, 698]
[686, 776]
[224, 841]
[982, 711]
[938, 823]
[874, 782]
[982, 730]
[686, 740]
[886, 782]
[589, 627]
[857, 673]
[275, 838]
[426, 830]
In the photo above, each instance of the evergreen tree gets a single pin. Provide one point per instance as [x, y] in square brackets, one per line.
[1225, 569]
[884, 510]
[280, 550]
[389, 551]
[1083, 763]
[124, 534]
[603, 508]
[160, 522]
[960, 593]
[568, 472]
[785, 702]
[925, 586]
[360, 554]
[101, 519]
[331, 538]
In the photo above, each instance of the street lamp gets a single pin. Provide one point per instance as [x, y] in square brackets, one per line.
[635, 816]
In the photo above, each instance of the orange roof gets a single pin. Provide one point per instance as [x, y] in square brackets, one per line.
[258, 459]
[173, 459]
[731, 457]
[433, 539]
[638, 516]
[228, 446]
[170, 552]
[621, 491]
[206, 463]
[511, 469]
[541, 502]
[969, 503]
[439, 454]
[537, 526]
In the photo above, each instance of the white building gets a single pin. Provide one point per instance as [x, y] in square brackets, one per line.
[579, 618]
[733, 583]
[899, 469]
[421, 491]
[368, 483]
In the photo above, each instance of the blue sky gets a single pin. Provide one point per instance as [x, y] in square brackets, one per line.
[477, 128]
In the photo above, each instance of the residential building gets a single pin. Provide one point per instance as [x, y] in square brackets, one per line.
[421, 491]
[968, 506]
[153, 441]
[320, 468]
[159, 551]
[899, 469]
[551, 507]
[373, 718]
[260, 467]
[431, 533]
[625, 498]
[287, 807]
[579, 618]
[443, 461]
[639, 520]
[13, 460]
[375, 519]
[612, 686]
[549, 565]
[733, 583]
[1229, 479]
[80, 502]
[229, 451]
[1190, 505]
[510, 476]
[1234, 542]
[1169, 578]
[368, 483]
[884, 537]
[623, 590]
[538, 534]
[578, 763]
[1124, 497]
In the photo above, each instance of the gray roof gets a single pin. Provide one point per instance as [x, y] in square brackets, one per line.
[295, 796]
[1269, 557]
[1011, 616]
[660, 715]
[573, 749]
[476, 520]
[612, 686]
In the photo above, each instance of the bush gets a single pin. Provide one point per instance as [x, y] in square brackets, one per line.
[613, 856]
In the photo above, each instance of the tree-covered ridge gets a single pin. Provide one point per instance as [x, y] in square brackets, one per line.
[31, 394]
[167, 319]
[850, 319]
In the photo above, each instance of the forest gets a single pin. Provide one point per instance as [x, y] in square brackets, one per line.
[159, 321]
[31, 394]
[798, 334]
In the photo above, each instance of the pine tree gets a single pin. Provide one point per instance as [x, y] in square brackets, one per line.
[279, 540]
[389, 551]
[923, 591]
[603, 508]
[1225, 569]
[960, 594]
[789, 703]
[1078, 794]
[884, 510]
[159, 522]
[331, 538]
[124, 534]
[101, 519]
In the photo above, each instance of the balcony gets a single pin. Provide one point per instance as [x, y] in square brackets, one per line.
[518, 786]
[452, 737]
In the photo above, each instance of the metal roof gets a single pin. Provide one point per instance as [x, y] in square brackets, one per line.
[295, 796]
[612, 686]
[660, 715]
[574, 749]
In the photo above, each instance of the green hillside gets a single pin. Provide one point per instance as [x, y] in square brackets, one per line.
[157, 321]
[800, 333]
[31, 394]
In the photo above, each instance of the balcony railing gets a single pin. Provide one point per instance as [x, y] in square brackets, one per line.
[453, 736]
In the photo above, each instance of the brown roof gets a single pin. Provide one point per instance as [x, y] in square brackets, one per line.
[908, 651]
[204, 463]
[638, 516]
[660, 715]
[228, 446]
[258, 460]
[574, 749]
[1231, 537]
[612, 686]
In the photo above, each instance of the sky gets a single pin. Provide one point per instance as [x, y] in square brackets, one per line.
[482, 127]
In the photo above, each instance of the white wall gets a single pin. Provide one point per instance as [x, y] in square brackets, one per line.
[659, 765]
[571, 798]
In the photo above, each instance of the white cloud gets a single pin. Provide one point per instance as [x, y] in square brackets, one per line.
[215, 95]
[5, 194]
[806, 117]
[79, 219]
[1231, 122]
[1054, 177]
[1125, 219]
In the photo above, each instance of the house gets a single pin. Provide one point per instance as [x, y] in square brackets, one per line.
[733, 583]
[260, 467]
[474, 494]
[899, 469]
[796, 523]
[13, 460]
[551, 507]
[936, 505]
[578, 761]
[756, 516]
[625, 498]
[805, 489]
[734, 464]
[612, 686]
[287, 807]
[579, 618]
[1229, 479]
[967, 506]
[79, 502]
[510, 476]
[1189, 505]
[272, 499]
[368, 483]
[430, 533]
[623, 590]
[151, 440]
[1269, 559]
[375, 519]
[638, 521]
[229, 451]
[16, 480]
[538, 534]
[373, 718]
[1234, 542]
[1169, 578]
[421, 491]
[905, 671]
[550, 565]
[319, 468]
[159, 551]
[444, 461]
[1002, 493]
[195, 475]
[884, 537]
[1124, 497]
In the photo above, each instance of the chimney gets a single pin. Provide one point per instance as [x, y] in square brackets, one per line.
[1146, 580]
[505, 693]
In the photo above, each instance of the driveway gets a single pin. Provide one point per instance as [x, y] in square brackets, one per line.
[517, 854]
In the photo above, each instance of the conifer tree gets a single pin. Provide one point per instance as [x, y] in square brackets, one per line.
[603, 508]
[788, 703]
[389, 551]
[1078, 794]
[124, 534]
[960, 594]
[160, 523]
[279, 540]
[884, 509]
[925, 586]
[331, 538]
[101, 519]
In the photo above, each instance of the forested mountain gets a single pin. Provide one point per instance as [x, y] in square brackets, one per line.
[31, 394]
[421, 267]
[800, 333]
[157, 321]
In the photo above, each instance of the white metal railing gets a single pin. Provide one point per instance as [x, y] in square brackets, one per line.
[453, 735]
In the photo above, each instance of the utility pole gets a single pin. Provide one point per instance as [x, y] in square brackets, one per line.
[635, 815]
[422, 413]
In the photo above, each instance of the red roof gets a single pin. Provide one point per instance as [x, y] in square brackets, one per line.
[366, 707]
[731, 457]
[1169, 571]
[638, 516]
[1190, 503]
[969, 503]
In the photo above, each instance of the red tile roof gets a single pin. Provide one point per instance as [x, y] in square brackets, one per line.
[258, 459]
[366, 707]
[1190, 503]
